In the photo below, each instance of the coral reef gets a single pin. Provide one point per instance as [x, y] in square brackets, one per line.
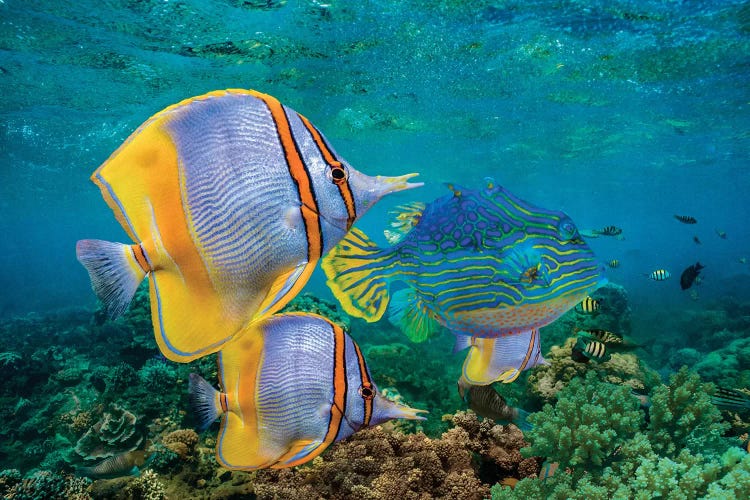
[113, 433]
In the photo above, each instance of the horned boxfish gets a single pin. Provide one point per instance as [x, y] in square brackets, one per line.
[485, 264]
[231, 198]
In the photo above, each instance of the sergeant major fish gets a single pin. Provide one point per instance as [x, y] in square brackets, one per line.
[288, 392]
[231, 198]
[485, 264]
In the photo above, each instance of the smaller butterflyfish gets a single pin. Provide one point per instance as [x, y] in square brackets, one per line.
[588, 305]
[289, 390]
[486, 402]
[659, 275]
[686, 219]
[731, 399]
[613, 264]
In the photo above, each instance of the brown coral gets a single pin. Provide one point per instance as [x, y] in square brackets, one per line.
[182, 442]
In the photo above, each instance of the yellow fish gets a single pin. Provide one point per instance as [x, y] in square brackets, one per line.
[289, 392]
[231, 199]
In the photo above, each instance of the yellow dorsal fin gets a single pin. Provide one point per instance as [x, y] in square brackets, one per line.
[403, 219]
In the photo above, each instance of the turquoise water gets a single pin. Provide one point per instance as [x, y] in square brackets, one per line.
[618, 112]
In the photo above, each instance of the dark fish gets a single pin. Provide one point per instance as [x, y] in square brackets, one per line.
[486, 402]
[685, 219]
[122, 464]
[586, 349]
[599, 345]
[610, 231]
[696, 240]
[731, 399]
[689, 275]
[614, 263]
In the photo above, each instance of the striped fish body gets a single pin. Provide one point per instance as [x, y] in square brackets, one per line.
[603, 336]
[613, 264]
[485, 264]
[231, 199]
[592, 349]
[289, 392]
[587, 306]
[686, 219]
[487, 403]
[660, 275]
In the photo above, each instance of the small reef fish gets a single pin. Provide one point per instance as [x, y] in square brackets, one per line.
[686, 219]
[659, 275]
[231, 198]
[588, 306]
[697, 240]
[486, 402]
[731, 399]
[689, 275]
[599, 345]
[289, 390]
[484, 264]
[128, 463]
[721, 234]
[613, 264]
[610, 231]
[742, 260]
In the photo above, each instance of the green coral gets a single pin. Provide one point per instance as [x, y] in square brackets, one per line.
[589, 422]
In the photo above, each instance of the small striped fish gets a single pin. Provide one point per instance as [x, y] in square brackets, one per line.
[602, 336]
[490, 267]
[230, 198]
[614, 263]
[290, 391]
[587, 306]
[686, 219]
[659, 275]
[584, 350]
[731, 399]
[610, 231]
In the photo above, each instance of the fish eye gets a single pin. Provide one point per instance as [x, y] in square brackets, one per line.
[367, 392]
[338, 174]
[568, 230]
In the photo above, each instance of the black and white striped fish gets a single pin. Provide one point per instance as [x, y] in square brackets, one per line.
[685, 219]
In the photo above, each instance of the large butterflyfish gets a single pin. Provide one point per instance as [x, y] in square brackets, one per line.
[230, 199]
[288, 392]
[486, 265]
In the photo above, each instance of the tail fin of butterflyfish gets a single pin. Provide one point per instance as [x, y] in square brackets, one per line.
[358, 273]
[409, 313]
[115, 269]
[205, 401]
[501, 359]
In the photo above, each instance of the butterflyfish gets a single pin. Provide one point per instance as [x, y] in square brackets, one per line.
[288, 392]
[230, 199]
[484, 264]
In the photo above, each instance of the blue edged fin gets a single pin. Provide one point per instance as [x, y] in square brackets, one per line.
[409, 313]
[501, 358]
[114, 271]
[205, 401]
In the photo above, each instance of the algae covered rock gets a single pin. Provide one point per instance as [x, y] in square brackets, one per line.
[115, 432]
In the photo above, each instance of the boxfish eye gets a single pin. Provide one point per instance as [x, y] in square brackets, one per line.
[568, 230]
[338, 174]
[367, 392]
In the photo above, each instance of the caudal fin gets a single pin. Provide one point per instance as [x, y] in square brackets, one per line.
[410, 314]
[205, 401]
[358, 273]
[114, 270]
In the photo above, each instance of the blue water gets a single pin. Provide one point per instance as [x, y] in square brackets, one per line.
[618, 112]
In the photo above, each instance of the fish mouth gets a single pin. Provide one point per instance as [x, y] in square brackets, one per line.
[386, 185]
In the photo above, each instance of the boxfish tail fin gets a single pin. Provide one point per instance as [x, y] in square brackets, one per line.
[358, 272]
[521, 420]
[115, 270]
[410, 314]
[205, 401]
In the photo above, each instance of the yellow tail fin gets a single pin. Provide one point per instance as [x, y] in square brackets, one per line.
[358, 273]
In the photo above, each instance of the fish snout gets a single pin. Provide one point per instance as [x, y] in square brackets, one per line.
[372, 189]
